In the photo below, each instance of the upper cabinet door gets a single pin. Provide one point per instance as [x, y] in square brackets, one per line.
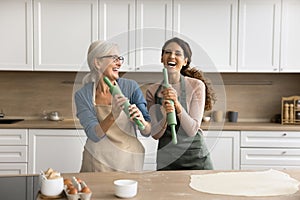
[63, 30]
[16, 35]
[154, 27]
[259, 36]
[290, 40]
[210, 26]
[117, 24]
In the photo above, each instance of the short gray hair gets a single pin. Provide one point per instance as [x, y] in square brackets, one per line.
[97, 49]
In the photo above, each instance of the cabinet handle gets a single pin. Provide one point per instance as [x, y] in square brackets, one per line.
[283, 153]
[284, 134]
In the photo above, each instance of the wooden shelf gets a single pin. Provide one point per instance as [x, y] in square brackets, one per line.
[290, 107]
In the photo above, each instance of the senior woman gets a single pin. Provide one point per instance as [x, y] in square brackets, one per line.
[112, 143]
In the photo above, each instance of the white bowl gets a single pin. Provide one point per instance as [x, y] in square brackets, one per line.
[125, 188]
[206, 119]
[52, 187]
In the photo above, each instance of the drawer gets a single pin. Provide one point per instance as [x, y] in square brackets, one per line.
[13, 154]
[13, 137]
[13, 168]
[265, 167]
[271, 156]
[270, 139]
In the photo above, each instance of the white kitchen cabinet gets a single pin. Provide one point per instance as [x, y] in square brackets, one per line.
[290, 41]
[224, 147]
[60, 149]
[225, 35]
[259, 35]
[210, 27]
[16, 49]
[117, 24]
[63, 31]
[154, 27]
[140, 28]
[13, 151]
[270, 149]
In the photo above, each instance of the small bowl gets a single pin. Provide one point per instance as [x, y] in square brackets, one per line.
[206, 119]
[52, 187]
[125, 188]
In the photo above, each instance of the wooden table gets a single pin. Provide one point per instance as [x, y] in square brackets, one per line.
[163, 185]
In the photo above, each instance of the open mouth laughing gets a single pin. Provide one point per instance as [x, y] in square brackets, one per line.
[171, 64]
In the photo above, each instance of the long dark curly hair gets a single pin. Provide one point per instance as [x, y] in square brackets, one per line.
[193, 72]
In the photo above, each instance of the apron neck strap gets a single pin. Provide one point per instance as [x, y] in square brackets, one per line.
[181, 98]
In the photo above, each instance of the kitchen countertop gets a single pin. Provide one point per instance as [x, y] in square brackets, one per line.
[43, 124]
[163, 185]
[249, 126]
[227, 126]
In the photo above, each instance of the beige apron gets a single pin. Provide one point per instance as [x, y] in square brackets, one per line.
[120, 150]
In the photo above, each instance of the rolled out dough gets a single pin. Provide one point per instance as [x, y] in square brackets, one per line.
[258, 183]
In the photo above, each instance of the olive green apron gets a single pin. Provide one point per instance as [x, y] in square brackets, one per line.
[119, 150]
[190, 153]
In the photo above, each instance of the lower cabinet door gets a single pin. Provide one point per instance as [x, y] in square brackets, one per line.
[224, 149]
[19, 187]
[59, 149]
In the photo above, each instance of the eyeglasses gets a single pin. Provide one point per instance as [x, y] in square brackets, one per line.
[169, 52]
[115, 58]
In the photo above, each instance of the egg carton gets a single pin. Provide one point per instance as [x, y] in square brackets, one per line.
[80, 195]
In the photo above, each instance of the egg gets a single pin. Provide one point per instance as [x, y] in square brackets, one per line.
[67, 182]
[73, 191]
[78, 180]
[69, 187]
[86, 190]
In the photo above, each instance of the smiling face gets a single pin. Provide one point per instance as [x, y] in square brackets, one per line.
[173, 57]
[110, 64]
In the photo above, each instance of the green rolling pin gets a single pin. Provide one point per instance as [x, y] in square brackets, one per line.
[171, 117]
[116, 90]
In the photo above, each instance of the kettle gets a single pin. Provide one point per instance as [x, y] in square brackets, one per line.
[54, 116]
